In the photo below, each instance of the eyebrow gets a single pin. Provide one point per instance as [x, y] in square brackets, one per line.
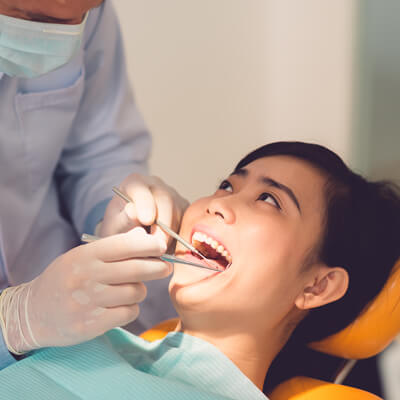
[271, 182]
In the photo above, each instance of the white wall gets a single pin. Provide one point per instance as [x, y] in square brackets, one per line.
[378, 89]
[216, 78]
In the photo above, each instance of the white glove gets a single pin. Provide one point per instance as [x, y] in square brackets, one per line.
[83, 293]
[152, 199]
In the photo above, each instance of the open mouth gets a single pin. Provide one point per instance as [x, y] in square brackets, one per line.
[211, 249]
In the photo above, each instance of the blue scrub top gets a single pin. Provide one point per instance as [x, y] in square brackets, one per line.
[66, 139]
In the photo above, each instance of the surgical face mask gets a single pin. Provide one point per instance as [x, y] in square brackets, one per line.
[29, 49]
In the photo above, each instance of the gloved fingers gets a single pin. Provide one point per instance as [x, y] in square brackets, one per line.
[120, 222]
[118, 218]
[133, 244]
[178, 204]
[131, 214]
[121, 295]
[137, 188]
[165, 212]
[157, 231]
[119, 316]
[133, 270]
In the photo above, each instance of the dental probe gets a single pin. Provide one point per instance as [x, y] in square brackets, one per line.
[166, 257]
[174, 259]
[164, 227]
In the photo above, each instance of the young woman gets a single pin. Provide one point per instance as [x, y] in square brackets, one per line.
[303, 245]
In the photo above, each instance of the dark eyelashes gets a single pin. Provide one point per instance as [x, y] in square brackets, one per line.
[225, 184]
[265, 195]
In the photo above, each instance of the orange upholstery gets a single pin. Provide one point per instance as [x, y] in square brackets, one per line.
[302, 388]
[367, 336]
[373, 330]
[160, 330]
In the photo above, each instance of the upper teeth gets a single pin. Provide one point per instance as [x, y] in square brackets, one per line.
[201, 237]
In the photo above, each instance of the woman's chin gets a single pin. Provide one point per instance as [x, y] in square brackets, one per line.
[187, 275]
[198, 289]
[191, 285]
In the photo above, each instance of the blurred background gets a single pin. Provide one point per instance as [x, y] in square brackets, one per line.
[216, 78]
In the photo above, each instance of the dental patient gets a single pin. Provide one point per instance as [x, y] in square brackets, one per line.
[303, 244]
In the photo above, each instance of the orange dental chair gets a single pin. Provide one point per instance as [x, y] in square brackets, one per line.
[366, 337]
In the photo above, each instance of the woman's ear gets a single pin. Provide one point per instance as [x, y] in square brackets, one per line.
[327, 286]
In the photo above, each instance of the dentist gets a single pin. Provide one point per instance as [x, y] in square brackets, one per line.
[69, 131]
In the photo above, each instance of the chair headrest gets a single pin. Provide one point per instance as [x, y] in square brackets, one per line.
[373, 330]
[302, 388]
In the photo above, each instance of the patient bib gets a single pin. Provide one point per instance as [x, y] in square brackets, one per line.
[123, 366]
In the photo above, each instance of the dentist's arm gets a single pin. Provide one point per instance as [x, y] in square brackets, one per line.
[83, 293]
[109, 143]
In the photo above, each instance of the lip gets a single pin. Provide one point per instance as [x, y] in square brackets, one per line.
[208, 231]
[195, 275]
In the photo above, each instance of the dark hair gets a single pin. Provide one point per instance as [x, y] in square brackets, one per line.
[360, 234]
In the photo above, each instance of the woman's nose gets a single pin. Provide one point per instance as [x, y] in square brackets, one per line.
[221, 209]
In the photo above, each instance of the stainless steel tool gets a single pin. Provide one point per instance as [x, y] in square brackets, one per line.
[165, 257]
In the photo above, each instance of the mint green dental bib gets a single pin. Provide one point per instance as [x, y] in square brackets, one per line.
[121, 366]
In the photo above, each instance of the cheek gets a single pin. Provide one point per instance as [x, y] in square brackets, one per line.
[269, 256]
[265, 241]
[267, 287]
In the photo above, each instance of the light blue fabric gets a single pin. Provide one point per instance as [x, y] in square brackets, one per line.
[6, 358]
[122, 366]
[29, 49]
[95, 216]
[66, 139]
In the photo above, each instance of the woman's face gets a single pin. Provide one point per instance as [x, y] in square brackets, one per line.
[265, 220]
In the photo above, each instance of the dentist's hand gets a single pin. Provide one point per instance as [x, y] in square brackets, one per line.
[83, 293]
[152, 199]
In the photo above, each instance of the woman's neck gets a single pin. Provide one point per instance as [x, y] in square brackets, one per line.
[251, 354]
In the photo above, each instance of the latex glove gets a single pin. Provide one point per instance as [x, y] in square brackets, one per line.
[83, 293]
[152, 199]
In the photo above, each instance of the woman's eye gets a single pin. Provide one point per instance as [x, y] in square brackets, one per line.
[225, 185]
[268, 198]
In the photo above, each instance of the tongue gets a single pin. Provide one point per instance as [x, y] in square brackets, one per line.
[208, 251]
[190, 256]
[217, 263]
[211, 254]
